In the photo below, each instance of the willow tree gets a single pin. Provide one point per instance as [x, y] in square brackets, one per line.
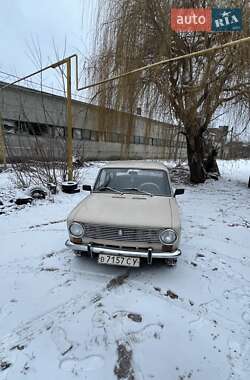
[193, 91]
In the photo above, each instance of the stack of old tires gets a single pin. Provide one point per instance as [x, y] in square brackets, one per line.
[70, 187]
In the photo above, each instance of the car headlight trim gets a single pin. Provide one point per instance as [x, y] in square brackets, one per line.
[168, 236]
[76, 229]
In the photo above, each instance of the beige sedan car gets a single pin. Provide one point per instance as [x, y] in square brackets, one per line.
[131, 214]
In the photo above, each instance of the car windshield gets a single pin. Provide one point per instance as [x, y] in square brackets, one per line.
[135, 181]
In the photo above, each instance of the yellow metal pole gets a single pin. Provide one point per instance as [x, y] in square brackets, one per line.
[69, 123]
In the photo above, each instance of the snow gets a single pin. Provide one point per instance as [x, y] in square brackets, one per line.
[239, 169]
[61, 317]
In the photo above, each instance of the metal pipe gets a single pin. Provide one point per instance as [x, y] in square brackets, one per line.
[52, 66]
[195, 53]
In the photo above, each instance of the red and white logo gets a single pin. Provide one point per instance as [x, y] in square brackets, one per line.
[191, 19]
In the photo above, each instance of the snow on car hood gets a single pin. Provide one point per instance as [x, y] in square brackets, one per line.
[126, 210]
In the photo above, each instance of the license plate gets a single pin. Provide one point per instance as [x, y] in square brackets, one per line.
[125, 261]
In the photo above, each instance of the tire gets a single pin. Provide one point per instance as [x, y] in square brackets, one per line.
[69, 186]
[38, 193]
[23, 201]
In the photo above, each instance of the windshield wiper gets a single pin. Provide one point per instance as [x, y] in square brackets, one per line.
[138, 191]
[104, 188]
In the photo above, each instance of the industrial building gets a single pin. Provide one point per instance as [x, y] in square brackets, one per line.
[34, 127]
[34, 121]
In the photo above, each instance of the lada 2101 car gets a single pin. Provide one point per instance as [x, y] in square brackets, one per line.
[130, 214]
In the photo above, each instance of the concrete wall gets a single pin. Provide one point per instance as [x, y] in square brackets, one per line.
[27, 148]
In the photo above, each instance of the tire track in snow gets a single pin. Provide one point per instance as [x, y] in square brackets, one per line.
[44, 322]
[208, 310]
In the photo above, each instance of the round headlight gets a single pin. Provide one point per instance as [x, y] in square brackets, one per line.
[76, 229]
[168, 236]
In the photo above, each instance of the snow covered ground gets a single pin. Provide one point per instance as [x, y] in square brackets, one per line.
[65, 317]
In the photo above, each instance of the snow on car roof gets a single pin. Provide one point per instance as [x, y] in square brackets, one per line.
[137, 165]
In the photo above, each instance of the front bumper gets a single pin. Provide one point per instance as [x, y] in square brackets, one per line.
[148, 254]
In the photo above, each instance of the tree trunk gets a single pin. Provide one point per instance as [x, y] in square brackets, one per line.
[210, 163]
[195, 153]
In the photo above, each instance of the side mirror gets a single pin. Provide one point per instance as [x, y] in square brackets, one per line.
[178, 192]
[86, 187]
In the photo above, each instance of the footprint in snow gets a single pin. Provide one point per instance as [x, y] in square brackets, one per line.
[128, 315]
[150, 331]
[101, 318]
[79, 366]
[59, 337]
[238, 358]
[246, 316]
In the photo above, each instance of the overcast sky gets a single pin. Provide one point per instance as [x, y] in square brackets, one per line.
[29, 24]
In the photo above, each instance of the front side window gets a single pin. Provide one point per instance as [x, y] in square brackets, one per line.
[127, 180]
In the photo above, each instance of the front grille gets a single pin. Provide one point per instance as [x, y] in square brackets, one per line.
[131, 234]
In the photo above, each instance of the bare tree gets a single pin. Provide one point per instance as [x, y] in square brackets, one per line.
[134, 33]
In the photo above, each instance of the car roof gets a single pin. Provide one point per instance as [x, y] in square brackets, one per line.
[137, 165]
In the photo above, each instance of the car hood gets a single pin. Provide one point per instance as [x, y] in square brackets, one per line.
[126, 210]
